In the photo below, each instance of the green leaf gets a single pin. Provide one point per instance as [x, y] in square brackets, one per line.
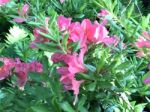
[140, 107]
[48, 47]
[91, 86]
[67, 107]
[48, 36]
[81, 103]
[90, 67]
[40, 108]
[37, 24]
[130, 11]
[65, 41]
[1, 63]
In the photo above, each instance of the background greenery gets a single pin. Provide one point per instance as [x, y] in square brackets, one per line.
[113, 89]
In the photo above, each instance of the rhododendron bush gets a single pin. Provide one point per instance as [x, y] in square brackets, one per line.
[74, 56]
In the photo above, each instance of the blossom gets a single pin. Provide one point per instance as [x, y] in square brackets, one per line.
[103, 12]
[74, 64]
[4, 2]
[63, 23]
[144, 40]
[5, 70]
[96, 32]
[21, 69]
[68, 80]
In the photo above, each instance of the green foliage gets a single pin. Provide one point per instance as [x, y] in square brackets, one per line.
[114, 78]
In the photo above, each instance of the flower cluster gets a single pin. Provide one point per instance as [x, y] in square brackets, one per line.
[2, 2]
[85, 33]
[143, 42]
[19, 68]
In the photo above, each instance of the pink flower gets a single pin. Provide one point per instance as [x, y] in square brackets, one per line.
[20, 69]
[19, 20]
[4, 2]
[96, 32]
[74, 62]
[103, 12]
[69, 82]
[76, 32]
[35, 67]
[62, 1]
[63, 23]
[75, 65]
[144, 40]
[5, 70]
[147, 80]
[146, 35]
[25, 9]
[102, 15]
[141, 44]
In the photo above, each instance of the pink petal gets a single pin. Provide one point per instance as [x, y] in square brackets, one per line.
[19, 20]
[46, 22]
[141, 44]
[4, 1]
[75, 86]
[62, 1]
[25, 8]
[103, 12]
[63, 23]
[147, 80]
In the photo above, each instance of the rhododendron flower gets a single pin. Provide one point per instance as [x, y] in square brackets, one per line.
[76, 32]
[74, 65]
[141, 44]
[102, 15]
[38, 37]
[68, 80]
[4, 1]
[5, 70]
[143, 41]
[63, 23]
[74, 62]
[20, 69]
[96, 32]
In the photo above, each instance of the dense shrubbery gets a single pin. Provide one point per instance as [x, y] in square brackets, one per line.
[74, 56]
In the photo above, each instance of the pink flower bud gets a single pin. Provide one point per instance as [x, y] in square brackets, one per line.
[25, 8]
[4, 2]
